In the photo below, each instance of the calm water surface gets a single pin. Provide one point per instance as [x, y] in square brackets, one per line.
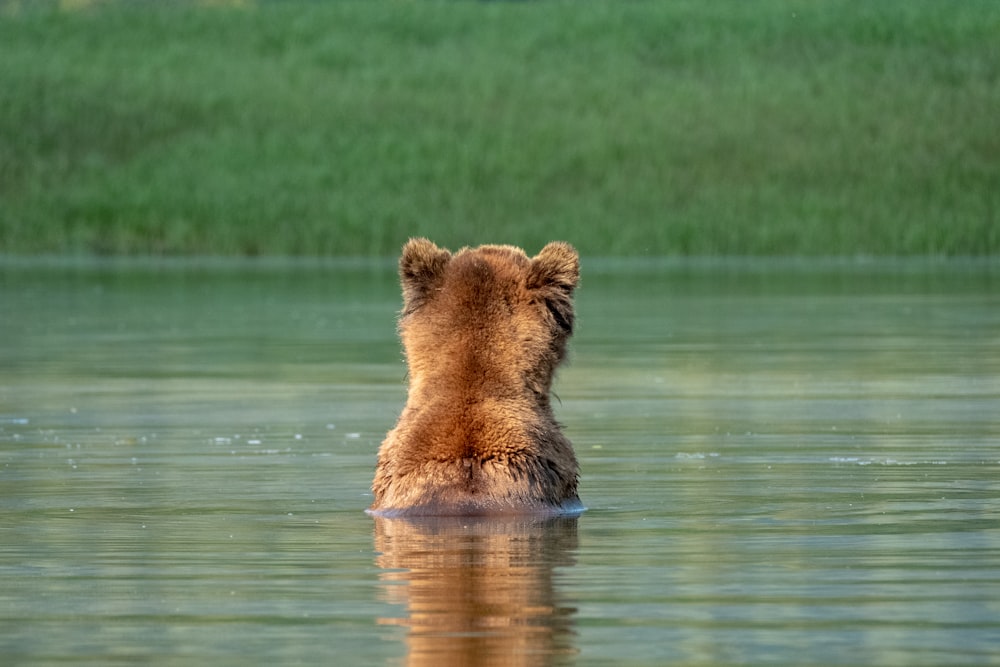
[784, 463]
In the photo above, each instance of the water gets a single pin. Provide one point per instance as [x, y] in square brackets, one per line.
[785, 463]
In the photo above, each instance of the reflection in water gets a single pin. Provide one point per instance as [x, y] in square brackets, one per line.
[479, 591]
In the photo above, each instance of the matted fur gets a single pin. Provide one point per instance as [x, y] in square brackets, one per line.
[483, 331]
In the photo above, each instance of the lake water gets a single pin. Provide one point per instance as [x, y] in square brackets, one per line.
[785, 463]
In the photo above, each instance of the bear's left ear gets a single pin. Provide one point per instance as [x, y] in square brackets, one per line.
[557, 265]
[421, 270]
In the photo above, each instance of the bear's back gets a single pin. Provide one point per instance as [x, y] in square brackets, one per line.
[483, 332]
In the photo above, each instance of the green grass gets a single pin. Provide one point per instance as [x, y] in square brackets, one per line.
[807, 127]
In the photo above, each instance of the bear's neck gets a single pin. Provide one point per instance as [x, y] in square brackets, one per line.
[471, 386]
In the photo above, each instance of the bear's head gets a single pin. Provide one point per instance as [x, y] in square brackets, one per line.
[489, 320]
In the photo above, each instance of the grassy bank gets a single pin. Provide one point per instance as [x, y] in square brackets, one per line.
[628, 128]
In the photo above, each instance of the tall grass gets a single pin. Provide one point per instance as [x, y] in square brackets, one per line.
[628, 128]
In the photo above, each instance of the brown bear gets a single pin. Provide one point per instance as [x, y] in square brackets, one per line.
[483, 331]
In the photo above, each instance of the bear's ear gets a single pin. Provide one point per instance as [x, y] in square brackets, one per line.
[554, 274]
[421, 270]
[557, 265]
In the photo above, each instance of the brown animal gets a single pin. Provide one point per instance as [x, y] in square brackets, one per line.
[483, 331]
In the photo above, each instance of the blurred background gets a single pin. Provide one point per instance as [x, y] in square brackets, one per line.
[627, 128]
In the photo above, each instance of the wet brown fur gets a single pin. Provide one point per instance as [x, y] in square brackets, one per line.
[483, 331]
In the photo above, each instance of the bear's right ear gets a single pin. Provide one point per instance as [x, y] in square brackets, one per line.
[421, 270]
[554, 274]
[557, 265]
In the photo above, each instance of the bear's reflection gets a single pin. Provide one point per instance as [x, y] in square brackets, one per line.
[478, 591]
